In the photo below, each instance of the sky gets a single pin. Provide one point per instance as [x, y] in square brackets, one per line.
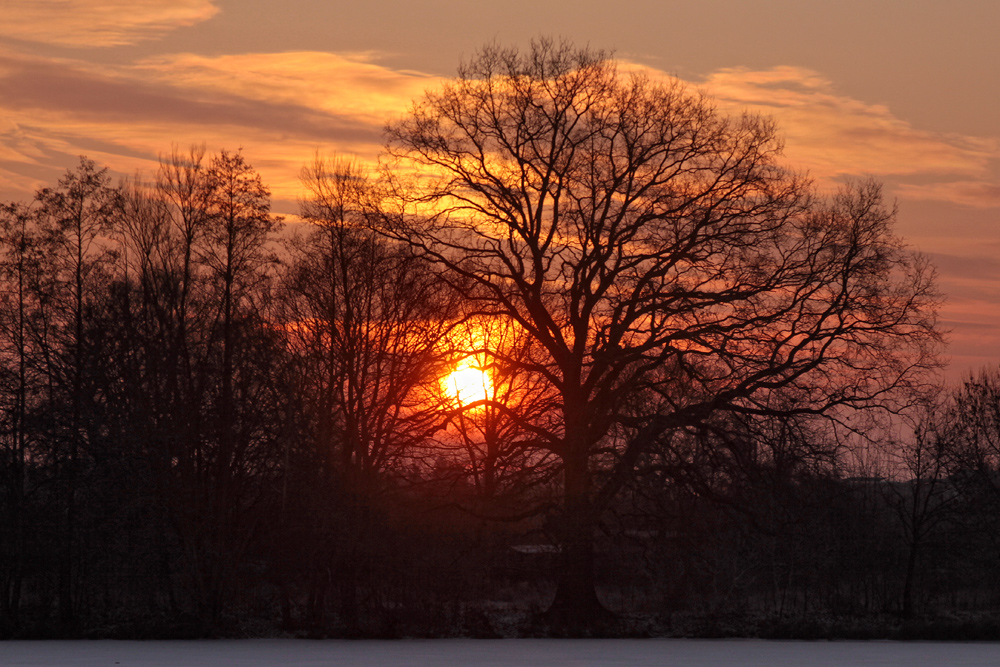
[907, 91]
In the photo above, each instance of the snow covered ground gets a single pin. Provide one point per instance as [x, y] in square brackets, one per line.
[498, 653]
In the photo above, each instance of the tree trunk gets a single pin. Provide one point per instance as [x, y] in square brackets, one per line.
[576, 609]
[911, 569]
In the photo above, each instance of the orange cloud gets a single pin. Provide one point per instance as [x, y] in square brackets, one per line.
[343, 84]
[980, 194]
[831, 135]
[281, 108]
[95, 23]
[284, 106]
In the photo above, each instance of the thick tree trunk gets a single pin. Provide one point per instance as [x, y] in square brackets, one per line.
[576, 609]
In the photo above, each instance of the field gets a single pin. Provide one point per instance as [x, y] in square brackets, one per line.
[497, 653]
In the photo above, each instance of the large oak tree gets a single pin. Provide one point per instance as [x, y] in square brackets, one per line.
[663, 263]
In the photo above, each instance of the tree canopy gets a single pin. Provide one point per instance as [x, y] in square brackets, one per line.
[664, 265]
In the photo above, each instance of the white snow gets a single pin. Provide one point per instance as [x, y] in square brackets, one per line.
[497, 653]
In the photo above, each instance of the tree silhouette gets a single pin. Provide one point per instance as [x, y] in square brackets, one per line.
[72, 218]
[665, 267]
[365, 321]
[22, 260]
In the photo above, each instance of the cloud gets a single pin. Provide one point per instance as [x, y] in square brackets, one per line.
[287, 105]
[98, 23]
[979, 194]
[968, 265]
[832, 135]
[281, 108]
[342, 84]
[77, 93]
[970, 278]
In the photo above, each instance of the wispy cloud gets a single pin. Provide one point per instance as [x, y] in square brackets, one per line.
[97, 23]
[834, 135]
[287, 105]
[283, 107]
[980, 194]
[77, 93]
[341, 84]
[969, 276]
[280, 107]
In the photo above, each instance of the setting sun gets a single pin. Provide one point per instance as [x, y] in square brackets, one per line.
[468, 383]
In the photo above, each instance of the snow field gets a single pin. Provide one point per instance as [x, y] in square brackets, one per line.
[497, 653]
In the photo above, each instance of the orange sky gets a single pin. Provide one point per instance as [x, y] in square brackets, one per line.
[906, 91]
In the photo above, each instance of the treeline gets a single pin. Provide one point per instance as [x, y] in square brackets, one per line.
[214, 425]
[204, 421]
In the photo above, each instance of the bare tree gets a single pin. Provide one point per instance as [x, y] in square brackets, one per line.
[234, 254]
[22, 259]
[662, 262]
[74, 219]
[199, 362]
[977, 418]
[366, 321]
[972, 428]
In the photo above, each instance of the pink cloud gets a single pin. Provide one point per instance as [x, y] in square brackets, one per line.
[980, 194]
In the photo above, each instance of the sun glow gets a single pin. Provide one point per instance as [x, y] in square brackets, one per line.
[468, 383]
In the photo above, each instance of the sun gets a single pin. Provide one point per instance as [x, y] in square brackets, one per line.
[468, 383]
